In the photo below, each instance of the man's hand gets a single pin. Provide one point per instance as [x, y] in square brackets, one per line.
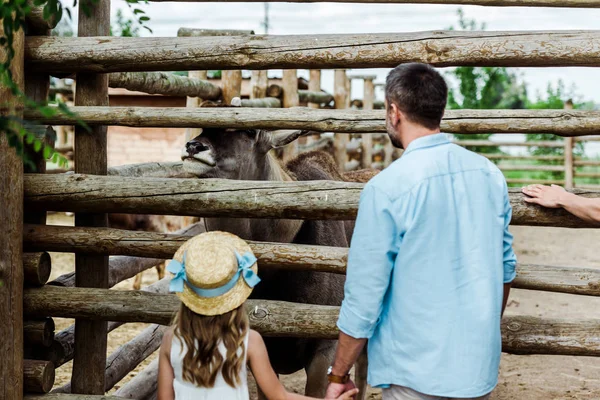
[335, 390]
[545, 196]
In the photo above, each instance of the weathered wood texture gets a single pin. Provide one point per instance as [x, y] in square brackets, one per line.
[583, 281]
[495, 3]
[193, 32]
[568, 153]
[259, 83]
[39, 332]
[38, 376]
[63, 347]
[314, 85]
[290, 99]
[11, 221]
[232, 85]
[91, 158]
[36, 268]
[65, 396]
[367, 140]
[266, 102]
[340, 94]
[314, 97]
[236, 199]
[163, 246]
[273, 318]
[142, 385]
[165, 83]
[558, 122]
[381, 50]
[128, 356]
[151, 170]
[122, 268]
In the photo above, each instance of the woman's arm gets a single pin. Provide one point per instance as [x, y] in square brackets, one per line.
[556, 197]
[165, 370]
[266, 379]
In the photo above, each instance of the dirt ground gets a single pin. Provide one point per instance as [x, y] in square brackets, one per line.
[521, 377]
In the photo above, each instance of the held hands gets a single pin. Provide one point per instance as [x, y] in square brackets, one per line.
[341, 391]
[545, 196]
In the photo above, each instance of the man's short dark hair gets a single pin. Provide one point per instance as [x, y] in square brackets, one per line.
[420, 93]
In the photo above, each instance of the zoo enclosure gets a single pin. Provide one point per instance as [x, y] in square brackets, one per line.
[92, 195]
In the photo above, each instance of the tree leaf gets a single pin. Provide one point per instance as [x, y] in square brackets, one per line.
[144, 19]
[47, 151]
[37, 145]
[138, 11]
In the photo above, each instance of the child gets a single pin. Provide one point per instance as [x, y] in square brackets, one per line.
[204, 356]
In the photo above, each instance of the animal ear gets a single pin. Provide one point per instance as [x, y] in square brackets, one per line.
[280, 138]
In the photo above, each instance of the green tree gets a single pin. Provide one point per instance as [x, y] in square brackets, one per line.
[125, 27]
[483, 88]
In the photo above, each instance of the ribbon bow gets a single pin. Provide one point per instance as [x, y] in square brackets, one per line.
[245, 264]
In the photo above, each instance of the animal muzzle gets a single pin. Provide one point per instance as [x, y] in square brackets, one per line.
[194, 147]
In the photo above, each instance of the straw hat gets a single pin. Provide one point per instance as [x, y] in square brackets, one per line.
[214, 273]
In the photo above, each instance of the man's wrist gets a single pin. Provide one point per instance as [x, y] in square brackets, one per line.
[337, 375]
[564, 200]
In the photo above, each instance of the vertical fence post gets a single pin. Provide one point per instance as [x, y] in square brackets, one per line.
[290, 99]
[194, 102]
[232, 85]
[367, 139]
[89, 360]
[258, 84]
[569, 164]
[11, 238]
[340, 95]
[314, 85]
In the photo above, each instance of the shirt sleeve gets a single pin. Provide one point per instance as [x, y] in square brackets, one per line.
[370, 262]
[510, 259]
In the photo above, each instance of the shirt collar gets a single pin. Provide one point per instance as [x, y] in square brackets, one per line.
[427, 141]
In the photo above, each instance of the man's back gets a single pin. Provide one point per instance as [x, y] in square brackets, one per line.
[427, 284]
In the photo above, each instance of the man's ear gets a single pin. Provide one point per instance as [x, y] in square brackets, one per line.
[274, 139]
[394, 114]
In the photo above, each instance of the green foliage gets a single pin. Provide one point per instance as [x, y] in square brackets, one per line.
[125, 27]
[483, 88]
[18, 131]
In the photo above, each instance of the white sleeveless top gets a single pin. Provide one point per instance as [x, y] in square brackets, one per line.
[185, 390]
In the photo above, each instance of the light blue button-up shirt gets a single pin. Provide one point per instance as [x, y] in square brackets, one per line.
[429, 255]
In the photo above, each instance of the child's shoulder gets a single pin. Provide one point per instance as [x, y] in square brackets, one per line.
[167, 339]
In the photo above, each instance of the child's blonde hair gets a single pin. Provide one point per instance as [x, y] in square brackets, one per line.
[202, 335]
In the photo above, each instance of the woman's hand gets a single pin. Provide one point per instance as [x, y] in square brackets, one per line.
[348, 395]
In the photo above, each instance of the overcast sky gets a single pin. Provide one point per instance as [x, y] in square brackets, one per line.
[324, 18]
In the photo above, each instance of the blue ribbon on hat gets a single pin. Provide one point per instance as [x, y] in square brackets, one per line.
[245, 264]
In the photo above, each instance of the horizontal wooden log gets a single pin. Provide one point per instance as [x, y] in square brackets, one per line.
[522, 335]
[194, 32]
[107, 241]
[65, 396]
[151, 170]
[38, 376]
[587, 163]
[54, 54]
[38, 332]
[36, 268]
[165, 83]
[494, 3]
[489, 143]
[521, 157]
[122, 268]
[538, 181]
[266, 102]
[63, 347]
[143, 385]
[524, 167]
[307, 96]
[559, 122]
[236, 199]
[128, 356]
[587, 174]
[104, 241]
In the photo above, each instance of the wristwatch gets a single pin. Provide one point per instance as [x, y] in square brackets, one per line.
[335, 378]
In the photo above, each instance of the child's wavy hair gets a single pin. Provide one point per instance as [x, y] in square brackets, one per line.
[202, 335]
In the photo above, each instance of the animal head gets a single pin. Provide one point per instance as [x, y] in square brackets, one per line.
[233, 153]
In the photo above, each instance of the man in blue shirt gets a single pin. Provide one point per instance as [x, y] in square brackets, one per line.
[431, 259]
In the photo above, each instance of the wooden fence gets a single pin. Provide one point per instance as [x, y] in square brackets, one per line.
[91, 195]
